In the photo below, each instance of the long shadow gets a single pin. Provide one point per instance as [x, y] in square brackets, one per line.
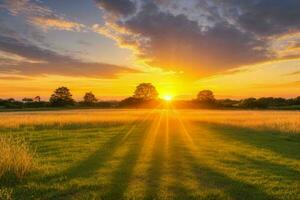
[284, 144]
[83, 169]
[96, 160]
[266, 167]
[176, 164]
[51, 186]
[154, 171]
[213, 179]
[121, 177]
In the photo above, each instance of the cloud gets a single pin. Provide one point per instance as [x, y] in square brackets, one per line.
[39, 15]
[74, 69]
[25, 7]
[293, 73]
[200, 37]
[178, 43]
[118, 7]
[265, 17]
[55, 23]
[19, 56]
[14, 78]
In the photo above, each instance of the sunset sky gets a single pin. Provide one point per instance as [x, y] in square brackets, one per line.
[235, 48]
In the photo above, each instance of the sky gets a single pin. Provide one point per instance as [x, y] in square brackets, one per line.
[235, 48]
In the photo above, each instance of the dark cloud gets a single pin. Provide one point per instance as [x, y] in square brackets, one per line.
[202, 36]
[118, 7]
[22, 47]
[34, 60]
[179, 43]
[264, 17]
[74, 69]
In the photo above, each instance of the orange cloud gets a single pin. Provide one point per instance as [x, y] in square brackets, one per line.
[56, 23]
[40, 15]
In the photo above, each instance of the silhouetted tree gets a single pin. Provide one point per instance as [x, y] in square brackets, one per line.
[37, 99]
[130, 102]
[89, 98]
[27, 100]
[206, 96]
[61, 97]
[249, 103]
[227, 103]
[145, 91]
[297, 101]
[11, 100]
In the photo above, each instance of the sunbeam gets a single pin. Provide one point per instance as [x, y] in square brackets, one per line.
[183, 127]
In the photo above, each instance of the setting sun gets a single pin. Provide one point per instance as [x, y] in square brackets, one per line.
[168, 98]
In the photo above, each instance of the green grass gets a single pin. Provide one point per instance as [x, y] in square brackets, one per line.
[159, 158]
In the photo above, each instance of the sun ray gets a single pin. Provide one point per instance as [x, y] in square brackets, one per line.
[183, 126]
[145, 156]
[139, 121]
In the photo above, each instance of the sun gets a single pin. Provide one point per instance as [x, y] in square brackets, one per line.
[168, 97]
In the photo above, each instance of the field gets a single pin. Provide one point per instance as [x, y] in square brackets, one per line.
[151, 154]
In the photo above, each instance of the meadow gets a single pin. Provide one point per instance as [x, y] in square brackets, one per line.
[150, 154]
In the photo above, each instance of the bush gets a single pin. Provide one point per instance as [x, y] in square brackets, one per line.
[16, 158]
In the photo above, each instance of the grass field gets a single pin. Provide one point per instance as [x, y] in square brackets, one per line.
[154, 154]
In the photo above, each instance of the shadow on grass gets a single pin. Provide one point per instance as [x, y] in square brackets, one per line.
[154, 171]
[265, 167]
[176, 166]
[213, 179]
[286, 145]
[121, 176]
[50, 185]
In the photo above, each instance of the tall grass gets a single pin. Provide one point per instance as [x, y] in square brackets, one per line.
[65, 118]
[283, 121]
[16, 159]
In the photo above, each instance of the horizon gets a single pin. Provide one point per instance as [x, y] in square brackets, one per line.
[109, 47]
[174, 98]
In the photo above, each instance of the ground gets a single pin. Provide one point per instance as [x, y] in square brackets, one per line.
[158, 156]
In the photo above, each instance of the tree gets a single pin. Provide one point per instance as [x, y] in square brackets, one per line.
[249, 103]
[130, 102]
[206, 96]
[27, 100]
[145, 91]
[37, 99]
[297, 100]
[89, 98]
[61, 97]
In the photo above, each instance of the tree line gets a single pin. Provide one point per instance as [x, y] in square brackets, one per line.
[146, 95]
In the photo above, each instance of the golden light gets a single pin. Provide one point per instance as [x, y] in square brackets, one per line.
[167, 98]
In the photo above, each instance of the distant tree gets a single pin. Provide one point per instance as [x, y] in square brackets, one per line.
[264, 102]
[249, 103]
[11, 100]
[131, 102]
[27, 100]
[61, 97]
[37, 99]
[297, 101]
[206, 96]
[227, 103]
[89, 98]
[145, 91]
